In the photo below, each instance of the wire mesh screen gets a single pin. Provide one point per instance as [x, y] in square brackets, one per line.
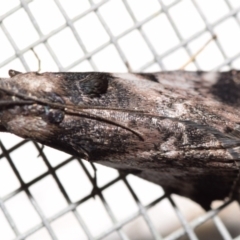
[46, 194]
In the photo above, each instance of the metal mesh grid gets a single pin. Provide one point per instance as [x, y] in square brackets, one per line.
[187, 227]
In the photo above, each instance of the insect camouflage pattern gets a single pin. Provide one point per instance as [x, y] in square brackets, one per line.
[177, 129]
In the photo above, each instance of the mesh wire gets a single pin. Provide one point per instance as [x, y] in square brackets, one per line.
[188, 227]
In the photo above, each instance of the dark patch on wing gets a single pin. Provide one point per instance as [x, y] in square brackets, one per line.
[227, 88]
[94, 86]
[75, 76]
[148, 76]
[205, 193]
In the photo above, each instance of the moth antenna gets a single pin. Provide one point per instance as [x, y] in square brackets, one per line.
[80, 113]
[106, 108]
[102, 119]
[68, 105]
[4, 103]
[38, 59]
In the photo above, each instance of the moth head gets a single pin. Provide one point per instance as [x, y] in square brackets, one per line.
[33, 104]
[24, 108]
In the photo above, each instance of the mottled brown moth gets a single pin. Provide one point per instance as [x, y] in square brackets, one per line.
[178, 129]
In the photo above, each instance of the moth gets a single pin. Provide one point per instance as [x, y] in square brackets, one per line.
[178, 129]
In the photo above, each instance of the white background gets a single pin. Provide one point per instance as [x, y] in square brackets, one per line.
[140, 57]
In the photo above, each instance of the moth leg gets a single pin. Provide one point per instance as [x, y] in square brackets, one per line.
[85, 152]
[94, 181]
[81, 151]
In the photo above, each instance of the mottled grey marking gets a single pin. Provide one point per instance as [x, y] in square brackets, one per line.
[177, 129]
